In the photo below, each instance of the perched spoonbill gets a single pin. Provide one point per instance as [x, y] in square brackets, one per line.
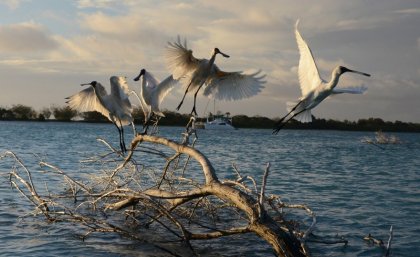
[152, 94]
[193, 73]
[115, 106]
[314, 88]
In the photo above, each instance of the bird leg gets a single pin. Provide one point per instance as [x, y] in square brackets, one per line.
[185, 93]
[119, 134]
[155, 123]
[195, 100]
[145, 126]
[280, 124]
[122, 137]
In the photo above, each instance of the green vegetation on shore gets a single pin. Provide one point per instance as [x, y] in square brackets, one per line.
[26, 113]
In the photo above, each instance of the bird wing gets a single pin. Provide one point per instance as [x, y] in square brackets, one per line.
[309, 77]
[163, 89]
[350, 90]
[233, 85]
[180, 59]
[148, 85]
[87, 101]
[120, 90]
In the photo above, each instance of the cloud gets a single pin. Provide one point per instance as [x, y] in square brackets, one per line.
[12, 4]
[95, 3]
[408, 11]
[25, 37]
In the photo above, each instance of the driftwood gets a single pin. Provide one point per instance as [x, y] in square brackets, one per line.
[176, 200]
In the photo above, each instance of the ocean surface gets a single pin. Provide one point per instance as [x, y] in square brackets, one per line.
[354, 188]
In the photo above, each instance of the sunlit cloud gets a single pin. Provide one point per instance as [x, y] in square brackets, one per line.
[13, 4]
[119, 37]
[96, 3]
[409, 11]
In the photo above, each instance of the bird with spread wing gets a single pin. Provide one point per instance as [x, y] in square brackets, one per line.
[314, 88]
[195, 73]
[152, 94]
[115, 106]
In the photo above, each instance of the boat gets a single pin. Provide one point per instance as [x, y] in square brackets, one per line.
[219, 122]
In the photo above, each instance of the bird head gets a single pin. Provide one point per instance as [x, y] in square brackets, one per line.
[93, 84]
[217, 51]
[341, 69]
[142, 72]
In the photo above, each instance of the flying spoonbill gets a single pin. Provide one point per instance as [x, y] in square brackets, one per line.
[152, 94]
[115, 106]
[193, 73]
[314, 88]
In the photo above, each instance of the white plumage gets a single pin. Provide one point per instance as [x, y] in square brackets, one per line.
[193, 73]
[152, 93]
[314, 89]
[115, 106]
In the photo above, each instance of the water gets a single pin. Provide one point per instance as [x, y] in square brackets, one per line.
[354, 188]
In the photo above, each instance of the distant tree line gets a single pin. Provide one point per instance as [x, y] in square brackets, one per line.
[26, 113]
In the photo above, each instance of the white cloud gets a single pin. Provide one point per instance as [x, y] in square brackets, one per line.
[95, 3]
[25, 37]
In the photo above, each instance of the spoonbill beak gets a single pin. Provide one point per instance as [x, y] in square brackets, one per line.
[85, 84]
[359, 72]
[142, 72]
[224, 55]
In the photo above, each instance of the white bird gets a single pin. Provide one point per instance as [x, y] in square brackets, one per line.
[193, 73]
[314, 88]
[115, 106]
[152, 94]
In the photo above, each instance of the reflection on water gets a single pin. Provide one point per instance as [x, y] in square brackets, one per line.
[354, 188]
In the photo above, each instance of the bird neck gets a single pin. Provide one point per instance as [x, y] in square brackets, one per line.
[212, 59]
[334, 79]
[99, 96]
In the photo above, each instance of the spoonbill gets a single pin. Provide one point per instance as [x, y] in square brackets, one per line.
[115, 106]
[152, 94]
[314, 88]
[193, 73]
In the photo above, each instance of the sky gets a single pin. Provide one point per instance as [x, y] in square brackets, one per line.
[48, 48]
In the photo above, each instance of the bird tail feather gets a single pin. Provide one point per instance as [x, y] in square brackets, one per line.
[304, 117]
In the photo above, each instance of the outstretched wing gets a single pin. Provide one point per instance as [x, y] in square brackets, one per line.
[87, 101]
[179, 59]
[148, 85]
[120, 91]
[350, 90]
[309, 77]
[234, 85]
[164, 88]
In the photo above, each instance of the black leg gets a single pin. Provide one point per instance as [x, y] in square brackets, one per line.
[122, 137]
[195, 100]
[182, 101]
[145, 126]
[280, 124]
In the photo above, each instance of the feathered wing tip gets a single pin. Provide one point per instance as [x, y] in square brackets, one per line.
[350, 90]
[179, 59]
[296, 24]
[230, 86]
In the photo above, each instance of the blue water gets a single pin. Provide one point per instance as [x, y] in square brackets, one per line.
[354, 188]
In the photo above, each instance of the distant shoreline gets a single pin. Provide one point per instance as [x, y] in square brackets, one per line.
[66, 114]
[317, 124]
